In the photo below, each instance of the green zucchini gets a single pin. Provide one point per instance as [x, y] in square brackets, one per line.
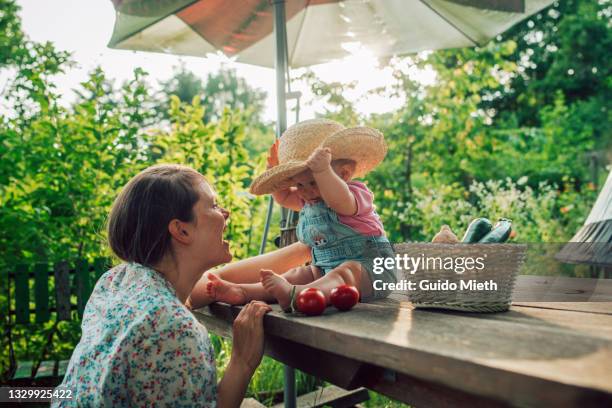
[500, 233]
[477, 229]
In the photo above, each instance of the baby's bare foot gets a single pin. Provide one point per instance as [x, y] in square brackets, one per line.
[223, 291]
[200, 297]
[278, 287]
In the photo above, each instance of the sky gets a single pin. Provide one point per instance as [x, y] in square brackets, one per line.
[84, 28]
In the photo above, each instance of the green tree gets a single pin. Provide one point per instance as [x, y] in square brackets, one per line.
[337, 106]
[562, 83]
[216, 150]
[220, 90]
[11, 35]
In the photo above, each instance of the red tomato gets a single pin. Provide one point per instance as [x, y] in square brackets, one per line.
[311, 301]
[344, 297]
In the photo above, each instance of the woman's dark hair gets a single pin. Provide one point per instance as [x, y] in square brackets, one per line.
[138, 221]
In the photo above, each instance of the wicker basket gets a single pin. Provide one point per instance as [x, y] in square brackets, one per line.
[501, 265]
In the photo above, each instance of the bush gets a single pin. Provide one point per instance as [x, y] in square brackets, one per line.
[545, 214]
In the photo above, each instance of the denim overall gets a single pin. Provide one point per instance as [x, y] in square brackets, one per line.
[333, 243]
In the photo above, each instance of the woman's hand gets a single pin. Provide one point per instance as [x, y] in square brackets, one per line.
[247, 350]
[319, 160]
[248, 336]
[273, 155]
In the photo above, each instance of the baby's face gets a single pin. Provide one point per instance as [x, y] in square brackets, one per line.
[306, 186]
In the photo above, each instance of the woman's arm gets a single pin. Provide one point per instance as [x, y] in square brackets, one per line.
[233, 385]
[247, 351]
[334, 191]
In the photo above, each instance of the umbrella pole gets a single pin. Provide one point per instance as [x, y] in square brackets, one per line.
[280, 34]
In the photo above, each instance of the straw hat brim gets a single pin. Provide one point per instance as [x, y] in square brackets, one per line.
[272, 179]
[366, 146]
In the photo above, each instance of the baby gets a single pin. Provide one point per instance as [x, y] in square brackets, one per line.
[337, 217]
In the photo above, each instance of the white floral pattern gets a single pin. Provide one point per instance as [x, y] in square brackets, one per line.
[140, 346]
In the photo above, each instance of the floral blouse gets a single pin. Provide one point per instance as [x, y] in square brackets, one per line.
[140, 346]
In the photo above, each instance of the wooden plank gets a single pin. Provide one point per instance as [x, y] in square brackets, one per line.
[24, 370]
[62, 290]
[22, 294]
[528, 356]
[585, 307]
[251, 403]
[527, 289]
[46, 369]
[561, 289]
[420, 393]
[332, 396]
[82, 285]
[549, 289]
[397, 300]
[62, 366]
[574, 324]
[41, 292]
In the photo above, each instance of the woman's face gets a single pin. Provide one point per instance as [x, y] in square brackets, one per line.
[210, 221]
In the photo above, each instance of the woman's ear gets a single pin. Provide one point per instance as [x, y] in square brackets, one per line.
[180, 231]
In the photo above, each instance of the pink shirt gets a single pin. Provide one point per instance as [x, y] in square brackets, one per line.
[366, 221]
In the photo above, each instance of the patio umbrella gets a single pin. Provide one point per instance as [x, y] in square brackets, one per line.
[318, 31]
[297, 33]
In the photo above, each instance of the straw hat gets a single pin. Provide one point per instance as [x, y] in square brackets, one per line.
[364, 145]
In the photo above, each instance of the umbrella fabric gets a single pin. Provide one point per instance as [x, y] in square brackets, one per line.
[318, 31]
[593, 242]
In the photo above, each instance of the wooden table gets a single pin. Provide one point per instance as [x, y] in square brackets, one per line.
[537, 354]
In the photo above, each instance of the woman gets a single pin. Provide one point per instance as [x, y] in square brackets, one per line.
[140, 344]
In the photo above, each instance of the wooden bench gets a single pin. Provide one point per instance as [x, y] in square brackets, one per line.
[331, 396]
[537, 354]
[41, 293]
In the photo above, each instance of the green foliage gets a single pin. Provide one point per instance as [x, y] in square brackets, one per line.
[216, 150]
[219, 91]
[62, 167]
[66, 168]
[338, 107]
[11, 35]
[540, 215]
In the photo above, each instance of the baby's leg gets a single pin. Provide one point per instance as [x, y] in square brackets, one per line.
[347, 273]
[302, 275]
[248, 270]
[219, 290]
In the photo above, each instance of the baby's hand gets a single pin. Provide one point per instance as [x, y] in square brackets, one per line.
[273, 155]
[319, 160]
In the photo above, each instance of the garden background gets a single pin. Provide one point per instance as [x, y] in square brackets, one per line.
[518, 128]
